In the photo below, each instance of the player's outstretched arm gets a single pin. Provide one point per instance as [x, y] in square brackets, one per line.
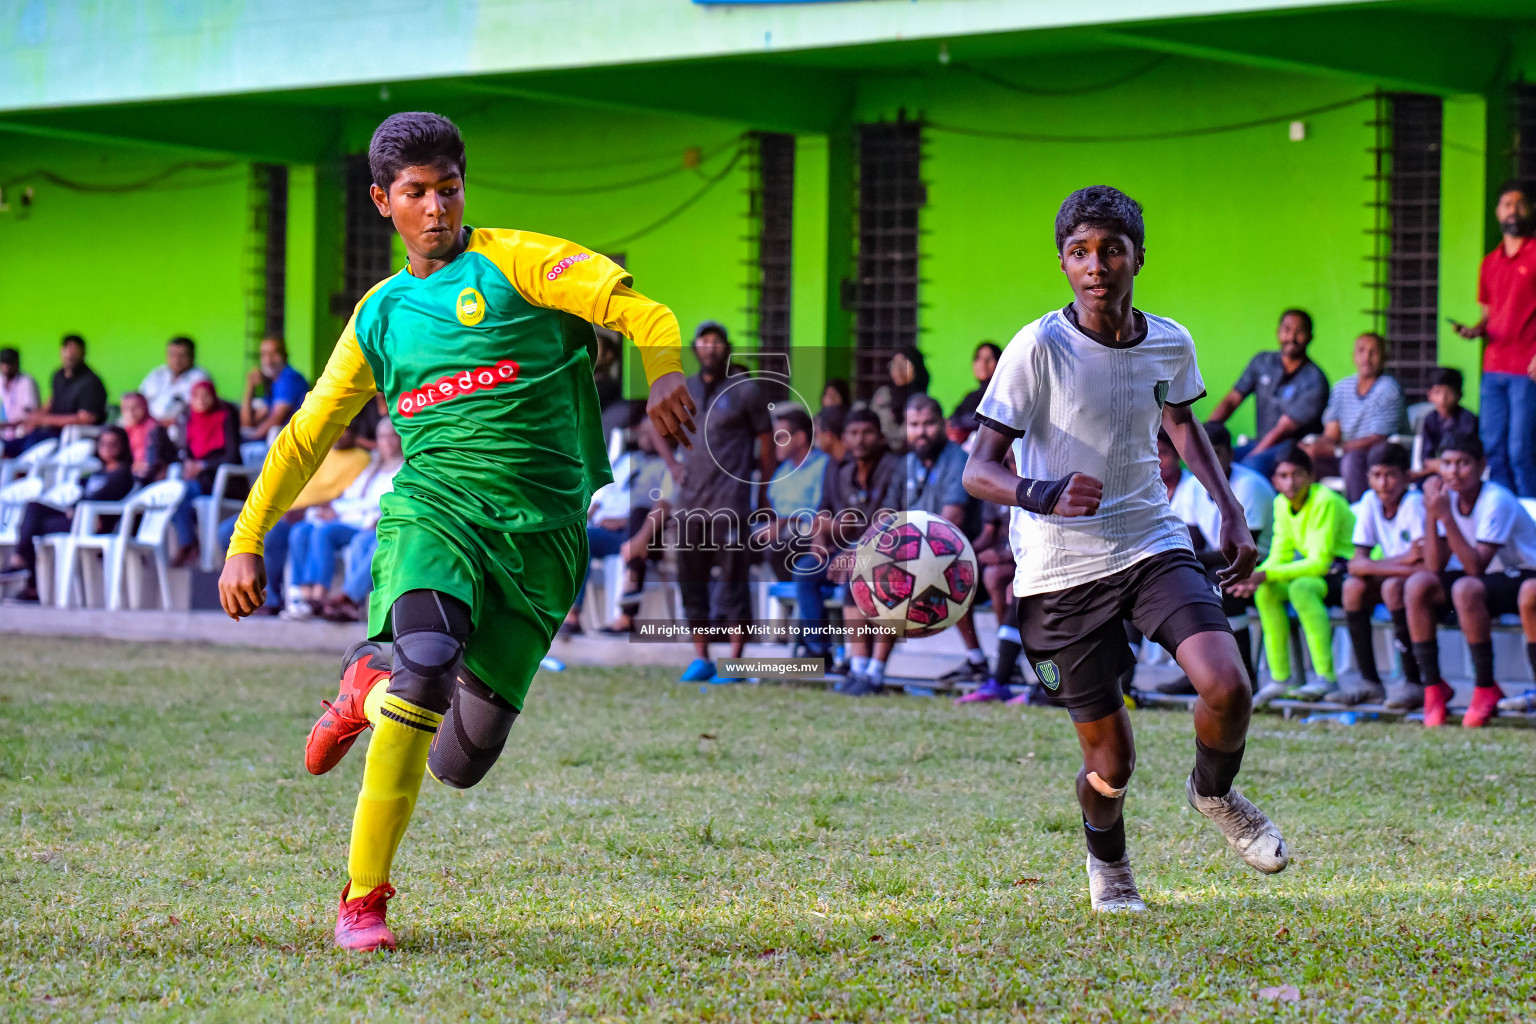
[986, 477]
[343, 389]
[1195, 449]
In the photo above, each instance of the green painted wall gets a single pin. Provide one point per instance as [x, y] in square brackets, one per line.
[127, 271]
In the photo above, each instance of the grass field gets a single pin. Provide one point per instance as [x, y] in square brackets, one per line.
[648, 852]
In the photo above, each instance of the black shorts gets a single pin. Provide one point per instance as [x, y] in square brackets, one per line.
[1502, 588]
[1075, 638]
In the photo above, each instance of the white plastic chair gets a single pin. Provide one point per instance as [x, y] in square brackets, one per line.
[141, 534]
[14, 497]
[211, 508]
[28, 462]
[72, 461]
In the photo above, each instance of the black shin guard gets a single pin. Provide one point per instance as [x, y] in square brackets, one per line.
[1107, 845]
[430, 629]
[1404, 641]
[1361, 640]
[1215, 769]
[472, 735]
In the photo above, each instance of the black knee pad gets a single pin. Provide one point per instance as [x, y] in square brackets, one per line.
[472, 735]
[430, 630]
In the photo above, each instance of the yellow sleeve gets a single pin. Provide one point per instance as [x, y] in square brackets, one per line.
[337, 397]
[557, 274]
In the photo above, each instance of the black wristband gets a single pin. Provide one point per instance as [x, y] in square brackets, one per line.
[1040, 496]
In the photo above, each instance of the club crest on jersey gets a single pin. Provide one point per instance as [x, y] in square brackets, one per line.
[1160, 392]
[453, 386]
[1050, 675]
[470, 307]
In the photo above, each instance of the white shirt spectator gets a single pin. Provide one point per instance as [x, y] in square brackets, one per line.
[1379, 412]
[1078, 406]
[18, 397]
[639, 481]
[1193, 504]
[168, 395]
[359, 504]
[1395, 535]
[1497, 518]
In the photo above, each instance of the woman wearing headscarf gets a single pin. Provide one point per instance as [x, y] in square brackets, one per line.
[909, 376]
[210, 433]
[151, 446]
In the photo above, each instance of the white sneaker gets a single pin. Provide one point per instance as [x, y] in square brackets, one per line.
[1111, 887]
[1248, 829]
[1270, 691]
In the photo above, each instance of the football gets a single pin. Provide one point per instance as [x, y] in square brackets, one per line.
[916, 571]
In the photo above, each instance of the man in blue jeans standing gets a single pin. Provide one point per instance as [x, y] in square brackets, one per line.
[1506, 295]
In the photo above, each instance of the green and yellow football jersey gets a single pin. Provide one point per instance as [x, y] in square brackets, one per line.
[486, 366]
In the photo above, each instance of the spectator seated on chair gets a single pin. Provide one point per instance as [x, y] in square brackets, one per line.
[1480, 556]
[330, 527]
[782, 529]
[168, 387]
[1389, 517]
[273, 391]
[1364, 409]
[1305, 568]
[342, 464]
[933, 467]
[78, 397]
[829, 431]
[349, 605]
[210, 433]
[1446, 418]
[908, 376]
[113, 482]
[152, 449]
[18, 396]
[962, 422]
[866, 483]
[994, 553]
[624, 520]
[1289, 392]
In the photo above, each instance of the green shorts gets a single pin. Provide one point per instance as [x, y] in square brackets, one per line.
[518, 586]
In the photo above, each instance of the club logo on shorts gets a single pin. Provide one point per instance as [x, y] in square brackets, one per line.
[1050, 675]
[1160, 392]
[470, 307]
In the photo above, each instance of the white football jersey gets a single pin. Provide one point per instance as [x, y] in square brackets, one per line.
[1497, 518]
[1080, 406]
[1193, 504]
[1395, 535]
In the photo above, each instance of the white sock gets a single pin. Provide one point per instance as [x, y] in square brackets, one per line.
[976, 656]
[876, 670]
[858, 664]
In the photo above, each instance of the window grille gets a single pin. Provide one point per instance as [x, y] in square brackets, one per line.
[884, 291]
[366, 252]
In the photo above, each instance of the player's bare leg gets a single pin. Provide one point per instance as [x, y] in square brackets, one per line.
[1215, 667]
[1109, 758]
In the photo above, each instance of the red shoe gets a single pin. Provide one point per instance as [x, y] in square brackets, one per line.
[363, 667]
[360, 923]
[1485, 704]
[1436, 698]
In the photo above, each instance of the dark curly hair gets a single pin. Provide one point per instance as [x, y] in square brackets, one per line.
[1100, 206]
[411, 139]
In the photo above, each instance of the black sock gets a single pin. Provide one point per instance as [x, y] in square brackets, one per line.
[1360, 638]
[1530, 656]
[1215, 769]
[1107, 845]
[1427, 654]
[1404, 641]
[1007, 659]
[1482, 662]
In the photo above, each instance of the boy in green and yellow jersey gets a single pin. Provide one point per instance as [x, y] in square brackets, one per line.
[1308, 558]
[482, 346]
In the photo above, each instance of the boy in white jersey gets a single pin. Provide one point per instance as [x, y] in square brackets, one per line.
[1479, 551]
[1080, 395]
[1391, 517]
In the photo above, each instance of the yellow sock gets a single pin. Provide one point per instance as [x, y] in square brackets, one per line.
[397, 757]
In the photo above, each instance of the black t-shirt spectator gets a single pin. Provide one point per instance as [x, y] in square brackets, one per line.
[1302, 395]
[1436, 428]
[81, 391]
[718, 469]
